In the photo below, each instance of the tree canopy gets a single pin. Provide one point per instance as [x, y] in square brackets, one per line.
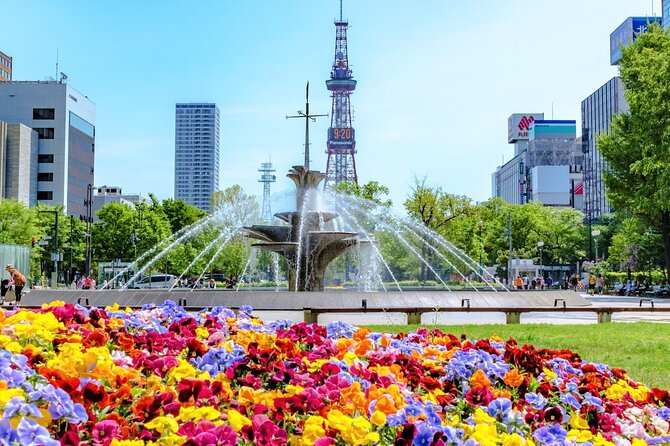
[637, 149]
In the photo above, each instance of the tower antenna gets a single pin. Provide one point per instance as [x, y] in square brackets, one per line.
[267, 178]
[306, 116]
[341, 146]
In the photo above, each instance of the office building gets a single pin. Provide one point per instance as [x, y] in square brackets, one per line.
[544, 166]
[196, 174]
[626, 34]
[18, 163]
[597, 112]
[64, 120]
[5, 68]
[666, 14]
[112, 194]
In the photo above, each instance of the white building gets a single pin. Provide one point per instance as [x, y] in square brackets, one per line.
[112, 194]
[18, 163]
[64, 120]
[196, 153]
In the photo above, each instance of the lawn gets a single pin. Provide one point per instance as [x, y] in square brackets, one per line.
[642, 348]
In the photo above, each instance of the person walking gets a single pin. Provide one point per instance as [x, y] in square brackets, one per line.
[600, 282]
[592, 284]
[19, 282]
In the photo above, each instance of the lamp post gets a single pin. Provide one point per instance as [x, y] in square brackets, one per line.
[595, 233]
[540, 244]
[480, 224]
[88, 203]
[55, 255]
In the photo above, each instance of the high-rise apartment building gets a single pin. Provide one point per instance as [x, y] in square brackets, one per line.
[196, 171]
[5, 67]
[597, 112]
[64, 120]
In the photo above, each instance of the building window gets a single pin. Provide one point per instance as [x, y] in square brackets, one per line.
[45, 195]
[45, 158]
[45, 132]
[45, 176]
[44, 113]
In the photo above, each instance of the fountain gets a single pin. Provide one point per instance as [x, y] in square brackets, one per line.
[307, 247]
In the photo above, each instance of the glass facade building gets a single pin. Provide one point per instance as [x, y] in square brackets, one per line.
[666, 13]
[196, 174]
[597, 113]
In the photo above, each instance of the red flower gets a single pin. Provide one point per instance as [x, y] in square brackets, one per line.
[479, 396]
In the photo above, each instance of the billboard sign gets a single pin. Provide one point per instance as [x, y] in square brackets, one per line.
[518, 125]
[626, 33]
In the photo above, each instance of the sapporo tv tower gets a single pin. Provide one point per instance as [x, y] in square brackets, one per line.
[341, 137]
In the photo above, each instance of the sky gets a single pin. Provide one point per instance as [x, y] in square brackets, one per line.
[437, 79]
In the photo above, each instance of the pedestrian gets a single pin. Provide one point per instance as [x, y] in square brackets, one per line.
[600, 282]
[19, 281]
[592, 284]
[4, 287]
[518, 282]
[212, 284]
[574, 281]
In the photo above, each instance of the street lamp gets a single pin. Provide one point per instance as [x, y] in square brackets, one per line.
[481, 244]
[55, 255]
[595, 233]
[540, 244]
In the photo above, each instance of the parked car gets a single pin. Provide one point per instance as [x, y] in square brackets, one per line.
[155, 281]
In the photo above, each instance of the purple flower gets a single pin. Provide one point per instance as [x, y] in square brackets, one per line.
[664, 412]
[544, 435]
[424, 434]
[596, 402]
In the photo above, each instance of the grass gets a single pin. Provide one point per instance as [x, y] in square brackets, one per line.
[641, 348]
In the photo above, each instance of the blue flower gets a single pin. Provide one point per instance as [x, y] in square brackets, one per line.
[571, 400]
[413, 410]
[246, 309]
[594, 401]
[18, 405]
[499, 407]
[664, 412]
[32, 434]
[536, 400]
[395, 420]
[558, 432]
[544, 435]
[424, 434]
[340, 329]
[7, 434]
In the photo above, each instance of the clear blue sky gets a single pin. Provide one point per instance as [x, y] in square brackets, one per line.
[437, 79]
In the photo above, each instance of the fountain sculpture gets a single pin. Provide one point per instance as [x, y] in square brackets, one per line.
[307, 247]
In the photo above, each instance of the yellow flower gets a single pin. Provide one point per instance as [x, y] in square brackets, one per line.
[360, 432]
[512, 440]
[339, 421]
[485, 435]
[577, 422]
[482, 417]
[549, 374]
[8, 394]
[599, 440]
[202, 332]
[378, 418]
[237, 420]
[313, 430]
[116, 442]
[194, 414]
[293, 390]
[164, 425]
[579, 436]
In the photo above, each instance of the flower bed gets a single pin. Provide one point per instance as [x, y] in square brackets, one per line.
[69, 375]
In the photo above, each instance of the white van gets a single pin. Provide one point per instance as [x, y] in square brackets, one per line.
[155, 281]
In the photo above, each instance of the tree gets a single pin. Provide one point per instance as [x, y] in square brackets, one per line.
[181, 214]
[372, 191]
[235, 206]
[638, 148]
[435, 209]
[17, 223]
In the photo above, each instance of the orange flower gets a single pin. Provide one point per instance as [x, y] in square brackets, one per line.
[479, 379]
[361, 333]
[363, 347]
[513, 378]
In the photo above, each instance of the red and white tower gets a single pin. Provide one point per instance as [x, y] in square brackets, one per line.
[341, 137]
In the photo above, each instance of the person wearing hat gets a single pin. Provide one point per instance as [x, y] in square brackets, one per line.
[19, 282]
